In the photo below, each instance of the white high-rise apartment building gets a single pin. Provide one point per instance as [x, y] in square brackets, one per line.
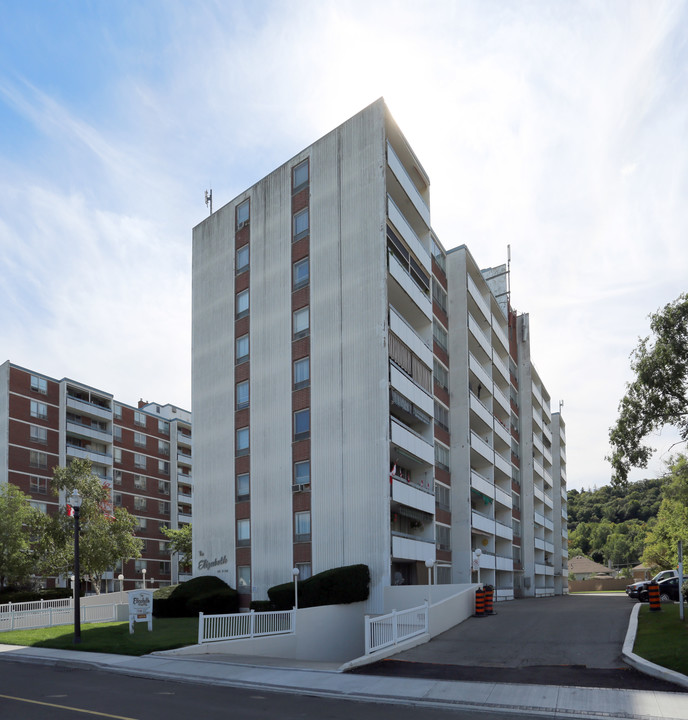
[353, 384]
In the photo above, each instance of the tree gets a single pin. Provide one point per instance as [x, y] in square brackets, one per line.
[180, 542]
[661, 542]
[659, 394]
[107, 533]
[16, 519]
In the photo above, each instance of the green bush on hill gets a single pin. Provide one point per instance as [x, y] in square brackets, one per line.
[207, 594]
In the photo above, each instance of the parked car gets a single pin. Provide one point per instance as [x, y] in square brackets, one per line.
[634, 590]
[669, 589]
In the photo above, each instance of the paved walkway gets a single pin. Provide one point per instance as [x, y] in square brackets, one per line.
[270, 674]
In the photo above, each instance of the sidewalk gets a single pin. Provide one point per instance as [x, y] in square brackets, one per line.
[570, 702]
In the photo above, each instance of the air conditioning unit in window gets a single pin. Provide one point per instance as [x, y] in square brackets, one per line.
[299, 487]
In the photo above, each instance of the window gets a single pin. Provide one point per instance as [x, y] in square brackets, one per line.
[164, 507]
[300, 274]
[117, 432]
[163, 547]
[139, 419]
[302, 526]
[38, 459]
[163, 487]
[163, 525]
[140, 565]
[301, 224]
[441, 457]
[40, 506]
[442, 416]
[139, 439]
[439, 295]
[516, 526]
[440, 335]
[443, 537]
[437, 253]
[39, 484]
[139, 502]
[117, 454]
[141, 523]
[242, 214]
[302, 373]
[117, 409]
[441, 374]
[140, 482]
[443, 575]
[242, 349]
[301, 321]
[244, 579]
[242, 258]
[117, 499]
[243, 533]
[117, 477]
[442, 497]
[302, 424]
[302, 472]
[164, 567]
[163, 467]
[242, 441]
[39, 410]
[163, 427]
[243, 486]
[304, 570]
[300, 176]
[163, 448]
[242, 304]
[517, 554]
[242, 395]
[39, 384]
[38, 434]
[139, 460]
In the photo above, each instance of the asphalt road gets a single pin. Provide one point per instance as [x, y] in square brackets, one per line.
[563, 640]
[35, 692]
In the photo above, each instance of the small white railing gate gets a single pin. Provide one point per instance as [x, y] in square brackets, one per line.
[235, 626]
[395, 627]
[49, 616]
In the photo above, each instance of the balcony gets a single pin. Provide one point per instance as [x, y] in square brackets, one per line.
[501, 366]
[409, 337]
[537, 467]
[502, 432]
[479, 371]
[403, 227]
[503, 498]
[184, 519]
[547, 433]
[88, 408]
[502, 399]
[504, 563]
[411, 442]
[481, 447]
[421, 306]
[539, 519]
[482, 485]
[487, 561]
[87, 431]
[413, 496]
[95, 457]
[184, 458]
[408, 548]
[503, 531]
[548, 501]
[184, 439]
[479, 335]
[184, 499]
[539, 494]
[185, 479]
[500, 334]
[401, 382]
[482, 523]
[475, 294]
[539, 543]
[480, 410]
[404, 179]
[502, 464]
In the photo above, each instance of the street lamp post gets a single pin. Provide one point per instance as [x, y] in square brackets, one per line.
[430, 564]
[478, 553]
[75, 501]
[295, 573]
[143, 572]
[120, 577]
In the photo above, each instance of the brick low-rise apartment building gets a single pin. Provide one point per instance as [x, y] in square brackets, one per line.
[143, 453]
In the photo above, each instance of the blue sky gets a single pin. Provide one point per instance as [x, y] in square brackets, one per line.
[557, 128]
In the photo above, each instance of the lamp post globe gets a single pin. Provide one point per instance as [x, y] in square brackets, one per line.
[75, 501]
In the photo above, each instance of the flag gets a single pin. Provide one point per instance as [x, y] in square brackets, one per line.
[392, 473]
[70, 511]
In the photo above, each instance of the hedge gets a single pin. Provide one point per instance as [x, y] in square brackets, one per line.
[16, 596]
[206, 594]
[338, 586]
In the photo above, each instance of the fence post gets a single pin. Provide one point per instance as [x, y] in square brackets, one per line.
[427, 616]
[394, 626]
[42, 603]
[200, 628]
[251, 623]
[367, 635]
[12, 617]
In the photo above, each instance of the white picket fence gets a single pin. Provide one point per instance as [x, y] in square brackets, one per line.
[36, 605]
[12, 619]
[235, 626]
[387, 630]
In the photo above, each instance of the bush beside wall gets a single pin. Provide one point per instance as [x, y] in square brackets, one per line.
[338, 586]
[207, 594]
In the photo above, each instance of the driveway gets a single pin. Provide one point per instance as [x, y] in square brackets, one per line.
[564, 640]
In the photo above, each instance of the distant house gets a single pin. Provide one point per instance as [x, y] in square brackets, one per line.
[583, 568]
[640, 572]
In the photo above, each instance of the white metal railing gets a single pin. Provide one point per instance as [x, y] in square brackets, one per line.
[395, 627]
[235, 626]
[36, 605]
[50, 616]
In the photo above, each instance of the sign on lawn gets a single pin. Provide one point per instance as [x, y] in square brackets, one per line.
[140, 608]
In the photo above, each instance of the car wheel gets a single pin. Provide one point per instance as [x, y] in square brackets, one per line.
[664, 598]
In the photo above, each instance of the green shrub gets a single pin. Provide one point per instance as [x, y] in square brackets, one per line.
[207, 594]
[338, 586]
[16, 596]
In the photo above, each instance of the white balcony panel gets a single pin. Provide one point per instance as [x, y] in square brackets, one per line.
[499, 333]
[502, 432]
[537, 394]
[184, 439]
[413, 444]
[503, 498]
[84, 431]
[565, 572]
[502, 464]
[407, 284]
[487, 562]
[539, 544]
[538, 469]
[413, 497]
[564, 532]
[503, 531]
[549, 547]
[547, 454]
[397, 167]
[548, 478]
[504, 563]
[184, 458]
[548, 524]
[501, 398]
[547, 433]
[478, 444]
[480, 522]
[479, 371]
[564, 495]
[480, 410]
[548, 501]
[501, 366]
[539, 519]
[410, 238]
[185, 479]
[537, 442]
[475, 294]
[184, 518]
[407, 549]
[549, 570]
[479, 483]
[540, 569]
[537, 419]
[94, 457]
[539, 494]
[185, 499]
[479, 335]
[411, 391]
[564, 514]
[88, 408]
[408, 335]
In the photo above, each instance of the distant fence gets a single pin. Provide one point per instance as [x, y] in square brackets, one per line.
[236, 626]
[36, 605]
[12, 619]
[395, 627]
[598, 584]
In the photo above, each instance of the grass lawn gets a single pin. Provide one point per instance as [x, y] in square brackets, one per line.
[662, 638]
[111, 637]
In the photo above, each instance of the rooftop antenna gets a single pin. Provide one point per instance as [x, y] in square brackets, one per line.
[508, 274]
[209, 199]
[561, 405]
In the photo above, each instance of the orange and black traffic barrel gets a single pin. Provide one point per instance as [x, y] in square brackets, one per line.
[489, 596]
[480, 603]
[653, 593]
